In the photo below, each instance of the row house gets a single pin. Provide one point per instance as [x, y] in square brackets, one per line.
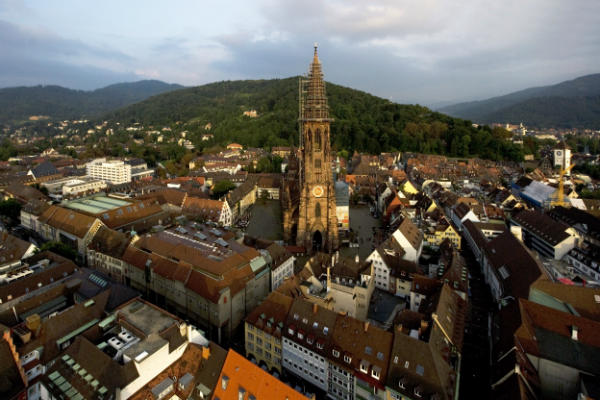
[242, 197]
[105, 253]
[442, 230]
[346, 358]
[392, 272]
[462, 212]
[425, 359]
[263, 329]
[509, 267]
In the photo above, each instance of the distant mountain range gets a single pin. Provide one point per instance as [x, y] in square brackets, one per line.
[19, 103]
[574, 103]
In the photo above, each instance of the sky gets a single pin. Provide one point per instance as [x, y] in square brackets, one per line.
[429, 52]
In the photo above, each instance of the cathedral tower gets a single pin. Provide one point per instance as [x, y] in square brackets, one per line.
[317, 228]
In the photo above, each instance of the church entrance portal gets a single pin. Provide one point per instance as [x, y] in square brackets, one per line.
[317, 243]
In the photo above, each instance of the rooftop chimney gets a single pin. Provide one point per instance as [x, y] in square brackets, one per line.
[574, 332]
[205, 353]
[315, 308]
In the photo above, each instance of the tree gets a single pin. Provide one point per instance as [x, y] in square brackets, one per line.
[60, 249]
[10, 208]
[221, 188]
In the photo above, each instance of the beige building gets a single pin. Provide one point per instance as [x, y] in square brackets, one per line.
[263, 328]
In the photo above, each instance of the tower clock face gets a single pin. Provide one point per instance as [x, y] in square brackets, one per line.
[318, 191]
[559, 153]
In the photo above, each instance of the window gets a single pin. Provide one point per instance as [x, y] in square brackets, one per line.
[318, 210]
[335, 353]
[258, 341]
[304, 320]
[348, 359]
[300, 335]
[250, 336]
[318, 140]
[290, 331]
[316, 324]
[325, 330]
[320, 345]
[318, 163]
[395, 359]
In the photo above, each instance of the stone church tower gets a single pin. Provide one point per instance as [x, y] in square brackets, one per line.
[317, 228]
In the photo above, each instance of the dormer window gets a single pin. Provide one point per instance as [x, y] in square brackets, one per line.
[347, 359]
[290, 331]
[375, 373]
[364, 366]
[300, 335]
[309, 340]
[304, 320]
[296, 316]
[335, 353]
[224, 382]
[319, 345]
[418, 391]
[315, 325]
[325, 330]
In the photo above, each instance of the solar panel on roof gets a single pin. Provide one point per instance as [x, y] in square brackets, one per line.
[200, 235]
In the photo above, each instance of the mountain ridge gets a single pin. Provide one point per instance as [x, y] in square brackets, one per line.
[57, 102]
[528, 107]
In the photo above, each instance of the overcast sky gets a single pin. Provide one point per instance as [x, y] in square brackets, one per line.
[409, 51]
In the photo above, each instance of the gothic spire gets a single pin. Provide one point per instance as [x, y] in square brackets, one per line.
[315, 105]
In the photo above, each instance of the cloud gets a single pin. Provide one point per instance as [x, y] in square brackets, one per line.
[410, 51]
[425, 51]
[36, 56]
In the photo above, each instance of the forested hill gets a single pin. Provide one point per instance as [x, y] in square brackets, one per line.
[56, 102]
[362, 122]
[569, 104]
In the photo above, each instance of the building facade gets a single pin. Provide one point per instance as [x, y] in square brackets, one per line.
[115, 172]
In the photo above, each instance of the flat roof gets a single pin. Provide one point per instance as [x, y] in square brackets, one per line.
[95, 204]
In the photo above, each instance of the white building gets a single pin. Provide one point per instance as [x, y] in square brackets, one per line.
[562, 156]
[306, 342]
[282, 265]
[77, 186]
[410, 238]
[115, 172]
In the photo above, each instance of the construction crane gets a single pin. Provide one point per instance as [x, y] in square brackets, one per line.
[559, 195]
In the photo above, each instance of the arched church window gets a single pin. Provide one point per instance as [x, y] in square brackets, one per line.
[318, 140]
[318, 210]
